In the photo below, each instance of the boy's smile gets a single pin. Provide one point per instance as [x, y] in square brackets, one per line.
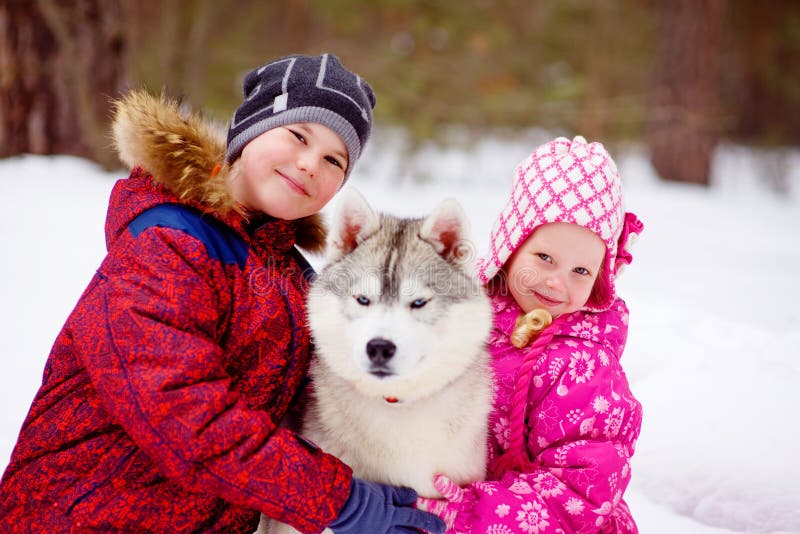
[294, 184]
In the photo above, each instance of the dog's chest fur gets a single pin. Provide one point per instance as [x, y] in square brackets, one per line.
[404, 444]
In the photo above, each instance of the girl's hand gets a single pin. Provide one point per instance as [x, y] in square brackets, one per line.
[455, 509]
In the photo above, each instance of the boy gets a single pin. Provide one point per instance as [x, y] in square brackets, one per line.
[161, 398]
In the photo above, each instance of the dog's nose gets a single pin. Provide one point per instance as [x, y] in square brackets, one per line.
[380, 350]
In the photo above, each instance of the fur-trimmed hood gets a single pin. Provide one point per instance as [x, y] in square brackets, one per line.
[185, 153]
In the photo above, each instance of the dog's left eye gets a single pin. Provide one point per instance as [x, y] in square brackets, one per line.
[361, 299]
[419, 303]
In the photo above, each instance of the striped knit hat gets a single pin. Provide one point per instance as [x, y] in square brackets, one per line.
[564, 181]
[304, 89]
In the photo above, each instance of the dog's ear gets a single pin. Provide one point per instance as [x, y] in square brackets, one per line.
[447, 229]
[353, 222]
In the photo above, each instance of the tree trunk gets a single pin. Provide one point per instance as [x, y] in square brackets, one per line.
[26, 88]
[62, 62]
[197, 42]
[186, 32]
[767, 97]
[683, 127]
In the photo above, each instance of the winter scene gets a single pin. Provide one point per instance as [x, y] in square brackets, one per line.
[711, 168]
[712, 352]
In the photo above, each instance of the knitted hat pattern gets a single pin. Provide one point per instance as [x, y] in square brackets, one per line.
[298, 89]
[562, 181]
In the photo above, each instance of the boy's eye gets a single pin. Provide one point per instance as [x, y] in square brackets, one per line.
[334, 161]
[298, 135]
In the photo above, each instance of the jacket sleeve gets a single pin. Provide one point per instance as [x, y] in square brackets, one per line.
[584, 423]
[149, 347]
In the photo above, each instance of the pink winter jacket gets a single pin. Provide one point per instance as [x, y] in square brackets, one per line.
[582, 425]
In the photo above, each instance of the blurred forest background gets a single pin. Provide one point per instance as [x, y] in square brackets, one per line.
[680, 76]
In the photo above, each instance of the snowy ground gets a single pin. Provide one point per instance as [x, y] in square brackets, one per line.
[713, 292]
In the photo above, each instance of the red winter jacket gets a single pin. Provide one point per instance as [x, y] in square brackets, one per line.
[161, 398]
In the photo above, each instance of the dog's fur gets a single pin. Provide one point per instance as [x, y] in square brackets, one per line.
[423, 409]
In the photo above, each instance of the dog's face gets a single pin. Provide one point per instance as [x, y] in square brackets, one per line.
[395, 313]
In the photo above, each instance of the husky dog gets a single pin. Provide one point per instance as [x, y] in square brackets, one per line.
[401, 378]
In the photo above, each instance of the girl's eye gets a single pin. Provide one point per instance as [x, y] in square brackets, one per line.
[334, 161]
[543, 256]
[419, 303]
[361, 299]
[298, 135]
[582, 271]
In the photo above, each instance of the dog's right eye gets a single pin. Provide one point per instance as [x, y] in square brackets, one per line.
[419, 303]
[361, 299]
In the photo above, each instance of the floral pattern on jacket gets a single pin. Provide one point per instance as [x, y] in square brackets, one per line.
[583, 422]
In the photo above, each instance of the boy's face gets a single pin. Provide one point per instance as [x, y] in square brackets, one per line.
[555, 268]
[291, 171]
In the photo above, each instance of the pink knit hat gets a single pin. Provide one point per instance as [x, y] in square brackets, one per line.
[565, 181]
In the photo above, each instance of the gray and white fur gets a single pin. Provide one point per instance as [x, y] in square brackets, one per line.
[401, 377]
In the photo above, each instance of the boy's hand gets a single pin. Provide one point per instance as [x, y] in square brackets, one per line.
[381, 509]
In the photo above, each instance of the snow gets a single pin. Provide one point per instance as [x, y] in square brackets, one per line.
[712, 353]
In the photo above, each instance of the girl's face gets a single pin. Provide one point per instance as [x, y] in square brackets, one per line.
[290, 171]
[555, 268]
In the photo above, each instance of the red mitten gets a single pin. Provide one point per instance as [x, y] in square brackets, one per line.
[457, 507]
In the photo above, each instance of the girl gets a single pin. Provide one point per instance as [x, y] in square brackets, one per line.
[161, 398]
[564, 422]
